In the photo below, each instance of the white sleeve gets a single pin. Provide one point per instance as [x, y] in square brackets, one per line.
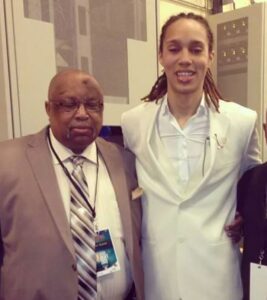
[124, 132]
[251, 156]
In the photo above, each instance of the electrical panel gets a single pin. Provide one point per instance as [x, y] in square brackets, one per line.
[240, 67]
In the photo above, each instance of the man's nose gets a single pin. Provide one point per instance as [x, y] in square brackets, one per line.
[81, 111]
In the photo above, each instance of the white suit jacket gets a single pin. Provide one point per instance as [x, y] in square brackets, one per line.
[186, 253]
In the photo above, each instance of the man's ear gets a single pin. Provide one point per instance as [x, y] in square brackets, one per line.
[47, 107]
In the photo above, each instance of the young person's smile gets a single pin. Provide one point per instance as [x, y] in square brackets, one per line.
[185, 57]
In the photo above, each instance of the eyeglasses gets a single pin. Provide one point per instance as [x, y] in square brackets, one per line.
[72, 105]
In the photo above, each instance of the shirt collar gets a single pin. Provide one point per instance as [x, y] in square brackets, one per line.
[65, 153]
[201, 110]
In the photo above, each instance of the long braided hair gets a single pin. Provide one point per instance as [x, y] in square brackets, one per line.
[159, 89]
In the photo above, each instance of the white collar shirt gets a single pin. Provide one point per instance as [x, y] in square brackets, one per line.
[114, 286]
[184, 146]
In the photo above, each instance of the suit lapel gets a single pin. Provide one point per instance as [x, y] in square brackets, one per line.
[219, 126]
[161, 162]
[157, 162]
[115, 167]
[40, 159]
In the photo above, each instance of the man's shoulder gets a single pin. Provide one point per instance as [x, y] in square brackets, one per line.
[255, 175]
[19, 142]
[15, 148]
[123, 157]
[15, 143]
[114, 147]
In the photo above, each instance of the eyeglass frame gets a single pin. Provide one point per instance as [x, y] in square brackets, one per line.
[76, 104]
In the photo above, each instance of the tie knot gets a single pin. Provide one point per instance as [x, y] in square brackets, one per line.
[77, 160]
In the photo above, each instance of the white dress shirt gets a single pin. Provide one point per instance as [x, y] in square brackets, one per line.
[113, 286]
[185, 147]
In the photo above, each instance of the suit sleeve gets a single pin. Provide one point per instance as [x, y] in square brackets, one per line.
[1, 258]
[129, 163]
[251, 156]
[124, 132]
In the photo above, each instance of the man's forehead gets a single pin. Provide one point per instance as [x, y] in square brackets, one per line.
[67, 78]
[71, 80]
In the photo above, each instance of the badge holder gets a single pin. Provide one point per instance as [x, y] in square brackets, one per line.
[106, 257]
[258, 278]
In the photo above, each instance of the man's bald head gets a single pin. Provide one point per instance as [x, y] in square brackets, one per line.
[75, 108]
[67, 76]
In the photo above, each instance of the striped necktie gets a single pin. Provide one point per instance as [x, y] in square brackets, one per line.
[82, 228]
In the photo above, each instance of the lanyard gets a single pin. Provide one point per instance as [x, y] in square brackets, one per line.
[69, 176]
[264, 233]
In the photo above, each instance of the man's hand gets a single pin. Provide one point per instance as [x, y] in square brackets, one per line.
[234, 230]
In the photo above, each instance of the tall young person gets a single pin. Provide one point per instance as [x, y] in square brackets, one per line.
[191, 148]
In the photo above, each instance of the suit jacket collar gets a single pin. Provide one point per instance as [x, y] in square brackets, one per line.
[219, 126]
[115, 166]
[40, 159]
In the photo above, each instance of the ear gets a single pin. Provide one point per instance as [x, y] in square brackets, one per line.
[47, 107]
[264, 126]
[160, 59]
[211, 57]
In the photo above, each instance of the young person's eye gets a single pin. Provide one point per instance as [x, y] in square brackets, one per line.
[173, 49]
[196, 50]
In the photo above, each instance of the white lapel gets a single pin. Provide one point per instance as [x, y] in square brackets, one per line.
[164, 168]
[219, 125]
[159, 165]
[157, 162]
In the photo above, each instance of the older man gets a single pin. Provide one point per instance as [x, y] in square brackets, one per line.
[70, 228]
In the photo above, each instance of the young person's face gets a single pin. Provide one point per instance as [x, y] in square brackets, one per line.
[185, 57]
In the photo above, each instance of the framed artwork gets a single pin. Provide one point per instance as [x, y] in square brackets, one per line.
[114, 40]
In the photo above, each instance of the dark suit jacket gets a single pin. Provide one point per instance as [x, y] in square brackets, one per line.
[37, 254]
[251, 194]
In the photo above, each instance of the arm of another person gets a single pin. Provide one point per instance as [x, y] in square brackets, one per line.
[1, 258]
[251, 158]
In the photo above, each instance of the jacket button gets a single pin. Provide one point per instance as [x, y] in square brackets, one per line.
[74, 268]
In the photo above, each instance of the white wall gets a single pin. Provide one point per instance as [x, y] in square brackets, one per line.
[239, 4]
[25, 76]
[168, 8]
[32, 63]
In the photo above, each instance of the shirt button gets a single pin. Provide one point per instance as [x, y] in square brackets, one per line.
[74, 268]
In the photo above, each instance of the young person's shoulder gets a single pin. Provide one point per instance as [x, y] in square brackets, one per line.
[235, 108]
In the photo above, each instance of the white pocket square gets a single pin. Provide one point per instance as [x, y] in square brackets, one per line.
[137, 193]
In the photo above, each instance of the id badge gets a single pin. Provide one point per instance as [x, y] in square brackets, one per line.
[258, 280]
[106, 257]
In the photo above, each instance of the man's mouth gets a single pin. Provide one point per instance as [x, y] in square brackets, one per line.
[81, 129]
